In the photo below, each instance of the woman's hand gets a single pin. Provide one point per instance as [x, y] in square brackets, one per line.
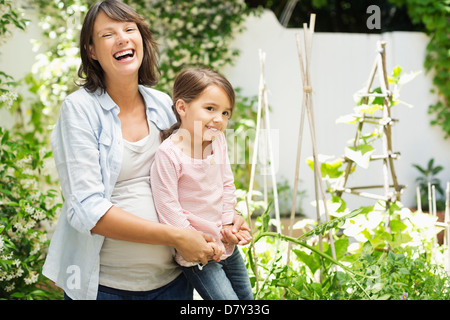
[237, 233]
[194, 246]
[218, 251]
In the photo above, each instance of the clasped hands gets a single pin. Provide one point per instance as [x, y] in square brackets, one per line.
[230, 235]
[195, 246]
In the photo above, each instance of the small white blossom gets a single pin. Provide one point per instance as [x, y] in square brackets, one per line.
[29, 209]
[10, 287]
[32, 278]
[8, 98]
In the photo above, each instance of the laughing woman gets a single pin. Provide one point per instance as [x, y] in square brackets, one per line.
[108, 243]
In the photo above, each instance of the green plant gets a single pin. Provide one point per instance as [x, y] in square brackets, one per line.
[194, 33]
[435, 16]
[240, 135]
[426, 179]
[11, 16]
[24, 204]
[24, 210]
[362, 147]
[372, 261]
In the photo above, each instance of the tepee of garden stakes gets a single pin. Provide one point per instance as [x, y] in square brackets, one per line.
[392, 192]
[263, 120]
[307, 106]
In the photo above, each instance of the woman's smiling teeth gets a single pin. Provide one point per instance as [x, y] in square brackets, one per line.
[124, 54]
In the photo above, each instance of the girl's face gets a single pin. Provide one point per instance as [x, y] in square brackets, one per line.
[117, 46]
[207, 115]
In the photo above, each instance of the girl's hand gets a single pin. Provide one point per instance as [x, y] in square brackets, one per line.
[237, 233]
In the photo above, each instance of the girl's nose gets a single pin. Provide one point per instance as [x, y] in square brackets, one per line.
[218, 118]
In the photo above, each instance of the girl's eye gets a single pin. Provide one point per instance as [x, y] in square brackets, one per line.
[130, 29]
[226, 114]
[106, 35]
[209, 108]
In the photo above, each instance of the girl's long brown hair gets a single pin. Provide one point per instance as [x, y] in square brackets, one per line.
[189, 85]
[91, 71]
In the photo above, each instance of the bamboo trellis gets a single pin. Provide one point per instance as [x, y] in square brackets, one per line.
[392, 192]
[263, 120]
[307, 106]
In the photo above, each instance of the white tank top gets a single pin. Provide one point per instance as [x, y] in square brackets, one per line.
[129, 265]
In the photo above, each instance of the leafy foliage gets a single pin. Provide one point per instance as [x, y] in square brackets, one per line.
[24, 210]
[372, 261]
[428, 177]
[434, 15]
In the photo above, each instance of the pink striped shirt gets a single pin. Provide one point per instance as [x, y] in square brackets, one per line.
[194, 193]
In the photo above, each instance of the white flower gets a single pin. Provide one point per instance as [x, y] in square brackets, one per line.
[32, 278]
[35, 249]
[39, 215]
[10, 288]
[8, 98]
[29, 209]
[19, 272]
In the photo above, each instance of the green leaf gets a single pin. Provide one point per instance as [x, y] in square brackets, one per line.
[328, 168]
[361, 155]
[397, 226]
[331, 169]
[311, 260]
[341, 246]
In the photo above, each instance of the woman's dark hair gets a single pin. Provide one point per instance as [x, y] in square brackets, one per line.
[90, 69]
[190, 84]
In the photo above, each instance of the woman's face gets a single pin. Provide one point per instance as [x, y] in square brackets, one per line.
[118, 47]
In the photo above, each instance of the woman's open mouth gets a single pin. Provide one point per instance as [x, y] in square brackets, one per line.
[124, 55]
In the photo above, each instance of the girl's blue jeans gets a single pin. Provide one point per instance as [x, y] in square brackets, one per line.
[224, 280]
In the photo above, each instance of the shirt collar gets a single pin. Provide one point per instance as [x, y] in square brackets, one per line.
[104, 99]
[108, 103]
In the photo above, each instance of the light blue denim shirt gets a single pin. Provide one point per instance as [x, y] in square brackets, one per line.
[87, 147]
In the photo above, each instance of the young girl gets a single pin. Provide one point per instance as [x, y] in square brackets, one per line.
[192, 183]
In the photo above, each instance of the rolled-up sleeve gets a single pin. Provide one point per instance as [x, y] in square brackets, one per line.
[76, 151]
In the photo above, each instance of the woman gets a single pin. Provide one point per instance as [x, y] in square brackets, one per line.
[108, 243]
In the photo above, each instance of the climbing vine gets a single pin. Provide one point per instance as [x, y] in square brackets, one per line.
[436, 18]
